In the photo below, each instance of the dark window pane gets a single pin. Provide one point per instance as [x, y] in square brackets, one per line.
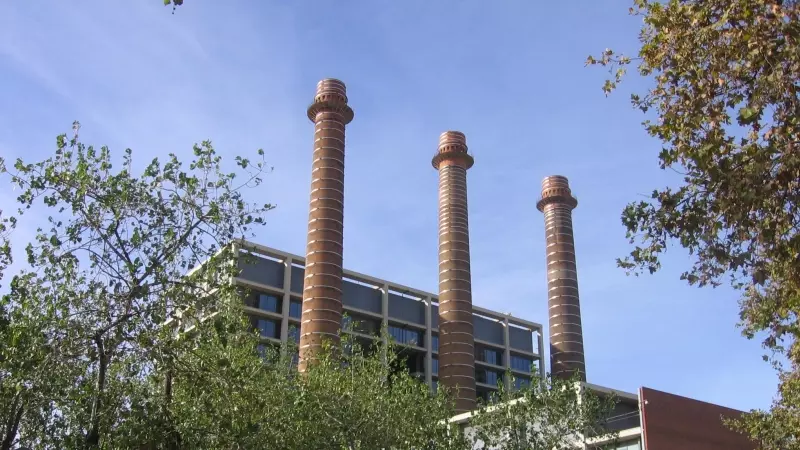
[268, 328]
[294, 334]
[361, 325]
[435, 342]
[521, 363]
[405, 335]
[269, 303]
[295, 309]
[487, 377]
[488, 355]
[435, 366]
[521, 382]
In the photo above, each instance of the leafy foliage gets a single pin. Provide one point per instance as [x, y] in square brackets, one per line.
[726, 80]
[125, 329]
[83, 325]
[549, 414]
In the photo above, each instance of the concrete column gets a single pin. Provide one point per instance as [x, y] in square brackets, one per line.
[385, 307]
[384, 319]
[322, 287]
[287, 298]
[566, 331]
[541, 355]
[507, 352]
[236, 248]
[456, 341]
[428, 343]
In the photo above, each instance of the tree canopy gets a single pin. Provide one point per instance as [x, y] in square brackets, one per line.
[549, 414]
[123, 328]
[82, 331]
[724, 103]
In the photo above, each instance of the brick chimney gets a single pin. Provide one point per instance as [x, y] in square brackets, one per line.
[456, 343]
[322, 287]
[564, 309]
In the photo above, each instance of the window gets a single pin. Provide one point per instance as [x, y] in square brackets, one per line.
[269, 303]
[294, 334]
[435, 385]
[521, 363]
[435, 342]
[630, 445]
[360, 325]
[521, 382]
[488, 355]
[268, 328]
[405, 335]
[488, 396]
[295, 309]
[488, 377]
[435, 366]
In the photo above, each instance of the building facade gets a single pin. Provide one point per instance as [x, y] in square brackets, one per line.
[656, 420]
[274, 282]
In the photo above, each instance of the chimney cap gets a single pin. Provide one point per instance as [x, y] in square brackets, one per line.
[453, 146]
[331, 95]
[331, 86]
[555, 189]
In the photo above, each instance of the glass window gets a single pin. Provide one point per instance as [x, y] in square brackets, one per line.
[295, 309]
[488, 377]
[488, 396]
[435, 342]
[630, 445]
[360, 325]
[268, 328]
[434, 366]
[521, 382]
[493, 357]
[435, 385]
[294, 334]
[269, 303]
[405, 335]
[521, 363]
[488, 355]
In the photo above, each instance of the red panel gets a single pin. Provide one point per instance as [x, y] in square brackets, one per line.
[672, 422]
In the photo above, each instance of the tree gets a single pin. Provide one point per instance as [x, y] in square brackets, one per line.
[125, 329]
[82, 331]
[548, 414]
[725, 104]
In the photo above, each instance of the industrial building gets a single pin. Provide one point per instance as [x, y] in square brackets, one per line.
[459, 346]
[656, 420]
[274, 282]
[443, 336]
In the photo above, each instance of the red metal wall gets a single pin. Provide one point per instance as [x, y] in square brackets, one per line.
[672, 422]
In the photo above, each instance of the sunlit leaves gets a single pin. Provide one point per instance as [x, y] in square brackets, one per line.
[548, 414]
[726, 92]
[106, 271]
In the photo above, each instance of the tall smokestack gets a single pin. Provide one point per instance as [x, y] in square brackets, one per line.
[566, 333]
[456, 344]
[322, 287]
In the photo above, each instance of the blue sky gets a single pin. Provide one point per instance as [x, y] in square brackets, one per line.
[509, 74]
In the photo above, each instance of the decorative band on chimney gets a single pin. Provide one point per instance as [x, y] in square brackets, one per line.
[321, 317]
[566, 331]
[456, 339]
